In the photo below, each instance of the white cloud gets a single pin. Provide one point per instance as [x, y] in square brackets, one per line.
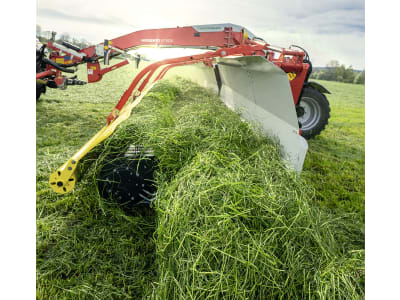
[328, 29]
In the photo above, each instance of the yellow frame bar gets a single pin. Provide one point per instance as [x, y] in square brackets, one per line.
[63, 179]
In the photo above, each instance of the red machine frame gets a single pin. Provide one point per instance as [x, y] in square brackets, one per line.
[221, 43]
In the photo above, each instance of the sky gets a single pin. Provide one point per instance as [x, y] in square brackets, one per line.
[327, 29]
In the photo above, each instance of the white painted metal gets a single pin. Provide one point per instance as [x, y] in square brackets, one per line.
[68, 50]
[261, 92]
[221, 27]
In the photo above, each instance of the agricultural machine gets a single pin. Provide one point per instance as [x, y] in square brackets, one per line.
[268, 84]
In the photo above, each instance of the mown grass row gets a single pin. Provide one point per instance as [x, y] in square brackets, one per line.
[229, 220]
[232, 221]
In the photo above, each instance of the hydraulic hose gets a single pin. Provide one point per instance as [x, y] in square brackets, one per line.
[57, 66]
[307, 61]
[71, 65]
[70, 46]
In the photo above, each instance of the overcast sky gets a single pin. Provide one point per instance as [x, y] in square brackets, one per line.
[328, 29]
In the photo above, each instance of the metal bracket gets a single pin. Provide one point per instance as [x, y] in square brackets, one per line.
[107, 52]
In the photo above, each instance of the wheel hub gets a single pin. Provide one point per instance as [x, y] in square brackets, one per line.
[309, 113]
[299, 111]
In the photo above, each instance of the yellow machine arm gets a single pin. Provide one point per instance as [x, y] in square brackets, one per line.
[63, 180]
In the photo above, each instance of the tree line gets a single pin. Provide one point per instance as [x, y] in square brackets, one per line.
[44, 36]
[336, 72]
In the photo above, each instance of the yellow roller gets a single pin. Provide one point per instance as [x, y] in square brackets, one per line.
[63, 180]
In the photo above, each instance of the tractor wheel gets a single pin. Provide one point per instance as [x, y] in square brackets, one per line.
[313, 112]
[40, 88]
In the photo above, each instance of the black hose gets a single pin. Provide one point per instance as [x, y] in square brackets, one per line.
[307, 57]
[71, 65]
[309, 70]
[307, 61]
[70, 46]
[57, 66]
[258, 38]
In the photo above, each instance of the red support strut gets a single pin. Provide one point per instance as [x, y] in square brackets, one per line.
[237, 50]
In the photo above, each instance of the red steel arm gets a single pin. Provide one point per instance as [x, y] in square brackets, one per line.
[176, 37]
[165, 70]
[207, 36]
[223, 37]
[149, 70]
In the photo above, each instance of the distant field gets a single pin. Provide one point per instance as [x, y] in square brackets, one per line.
[87, 251]
[336, 159]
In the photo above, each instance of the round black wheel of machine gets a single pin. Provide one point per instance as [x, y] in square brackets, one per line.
[313, 112]
[40, 88]
[128, 182]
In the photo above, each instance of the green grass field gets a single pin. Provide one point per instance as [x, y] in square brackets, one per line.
[88, 249]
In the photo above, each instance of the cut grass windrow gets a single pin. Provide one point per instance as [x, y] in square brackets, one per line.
[232, 221]
[229, 220]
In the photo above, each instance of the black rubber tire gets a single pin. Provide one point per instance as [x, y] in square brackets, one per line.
[319, 112]
[40, 88]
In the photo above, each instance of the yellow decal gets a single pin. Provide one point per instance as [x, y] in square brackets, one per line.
[93, 67]
[60, 60]
[291, 76]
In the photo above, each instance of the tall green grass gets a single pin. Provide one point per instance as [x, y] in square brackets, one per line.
[232, 221]
[335, 162]
[228, 220]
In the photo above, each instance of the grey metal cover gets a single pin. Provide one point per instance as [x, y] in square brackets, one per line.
[261, 92]
[221, 27]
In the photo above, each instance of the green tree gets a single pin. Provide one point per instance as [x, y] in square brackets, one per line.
[337, 72]
[360, 79]
[84, 43]
[329, 74]
[333, 64]
[340, 73]
[38, 30]
[314, 75]
[349, 75]
[65, 37]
